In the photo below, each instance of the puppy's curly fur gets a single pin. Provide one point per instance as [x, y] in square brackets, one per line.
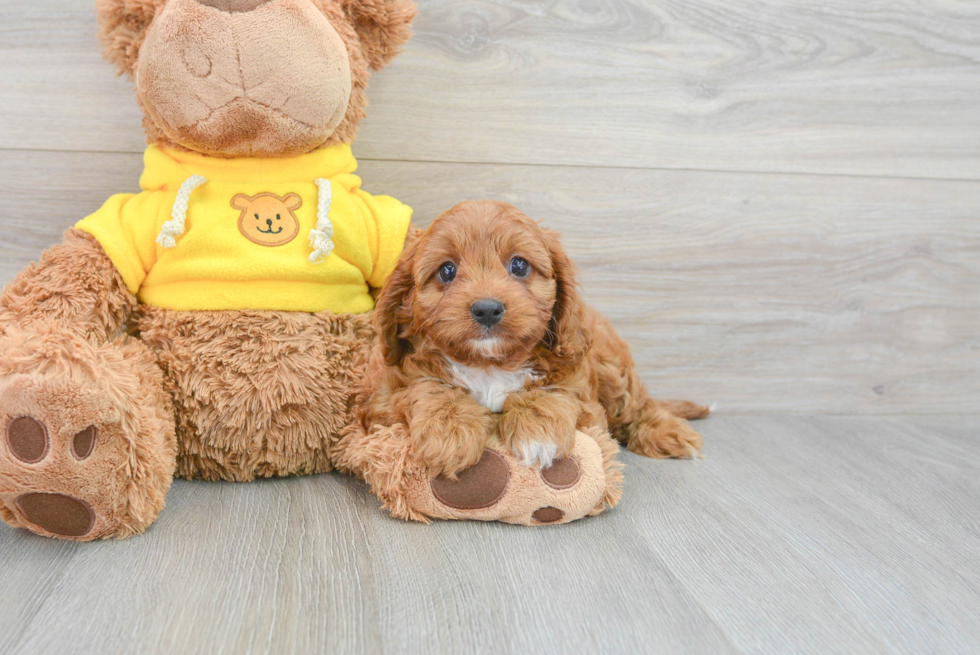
[550, 366]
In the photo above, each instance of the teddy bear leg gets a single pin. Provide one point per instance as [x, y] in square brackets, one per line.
[87, 449]
[612, 468]
[497, 488]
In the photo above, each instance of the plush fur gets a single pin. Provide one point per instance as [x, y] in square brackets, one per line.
[442, 387]
[68, 384]
[74, 285]
[256, 394]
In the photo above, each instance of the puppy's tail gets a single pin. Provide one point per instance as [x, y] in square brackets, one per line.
[685, 409]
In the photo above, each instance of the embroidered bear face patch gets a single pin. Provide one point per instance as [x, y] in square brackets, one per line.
[267, 219]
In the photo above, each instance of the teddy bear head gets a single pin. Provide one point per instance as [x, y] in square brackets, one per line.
[262, 78]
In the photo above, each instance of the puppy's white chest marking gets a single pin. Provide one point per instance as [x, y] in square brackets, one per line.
[490, 386]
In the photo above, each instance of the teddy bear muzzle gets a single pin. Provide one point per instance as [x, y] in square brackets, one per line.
[234, 6]
[220, 76]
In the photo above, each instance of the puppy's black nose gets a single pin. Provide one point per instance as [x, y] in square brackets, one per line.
[488, 311]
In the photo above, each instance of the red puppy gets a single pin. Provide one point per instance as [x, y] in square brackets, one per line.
[481, 318]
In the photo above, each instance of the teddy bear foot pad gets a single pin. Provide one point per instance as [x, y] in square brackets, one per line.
[498, 488]
[59, 514]
[87, 446]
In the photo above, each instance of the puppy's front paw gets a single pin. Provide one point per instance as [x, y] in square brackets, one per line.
[448, 442]
[448, 454]
[538, 427]
[535, 453]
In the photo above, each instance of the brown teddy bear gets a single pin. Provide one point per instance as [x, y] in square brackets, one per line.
[214, 325]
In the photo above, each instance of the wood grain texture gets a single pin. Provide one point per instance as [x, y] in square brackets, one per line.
[795, 534]
[860, 527]
[820, 86]
[763, 293]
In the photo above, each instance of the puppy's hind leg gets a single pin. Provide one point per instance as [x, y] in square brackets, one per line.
[686, 409]
[656, 432]
[647, 426]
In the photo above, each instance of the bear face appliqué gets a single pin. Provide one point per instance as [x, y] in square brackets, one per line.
[268, 219]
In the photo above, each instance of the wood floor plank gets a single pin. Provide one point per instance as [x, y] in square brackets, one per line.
[812, 86]
[802, 519]
[764, 293]
[795, 534]
[580, 588]
[278, 566]
[312, 565]
[35, 572]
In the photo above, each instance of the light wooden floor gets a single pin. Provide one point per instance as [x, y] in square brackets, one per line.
[777, 203]
[796, 534]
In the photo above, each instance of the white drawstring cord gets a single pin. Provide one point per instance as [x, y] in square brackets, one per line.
[175, 226]
[321, 236]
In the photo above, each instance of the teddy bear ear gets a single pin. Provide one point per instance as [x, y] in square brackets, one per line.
[241, 201]
[383, 27]
[292, 201]
[122, 28]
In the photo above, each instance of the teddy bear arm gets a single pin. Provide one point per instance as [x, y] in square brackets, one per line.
[75, 286]
[497, 488]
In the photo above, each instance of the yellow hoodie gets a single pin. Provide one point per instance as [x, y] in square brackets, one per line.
[293, 234]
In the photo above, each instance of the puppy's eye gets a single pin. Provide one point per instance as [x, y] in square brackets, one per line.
[519, 267]
[447, 272]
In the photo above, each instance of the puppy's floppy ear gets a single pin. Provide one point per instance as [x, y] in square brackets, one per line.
[122, 28]
[396, 298]
[566, 336]
[383, 27]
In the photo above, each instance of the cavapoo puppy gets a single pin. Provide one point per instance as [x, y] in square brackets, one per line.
[482, 332]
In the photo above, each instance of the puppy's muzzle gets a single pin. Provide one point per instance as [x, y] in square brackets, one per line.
[488, 311]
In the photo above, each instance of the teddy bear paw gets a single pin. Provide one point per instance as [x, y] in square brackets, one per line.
[28, 444]
[76, 462]
[500, 488]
